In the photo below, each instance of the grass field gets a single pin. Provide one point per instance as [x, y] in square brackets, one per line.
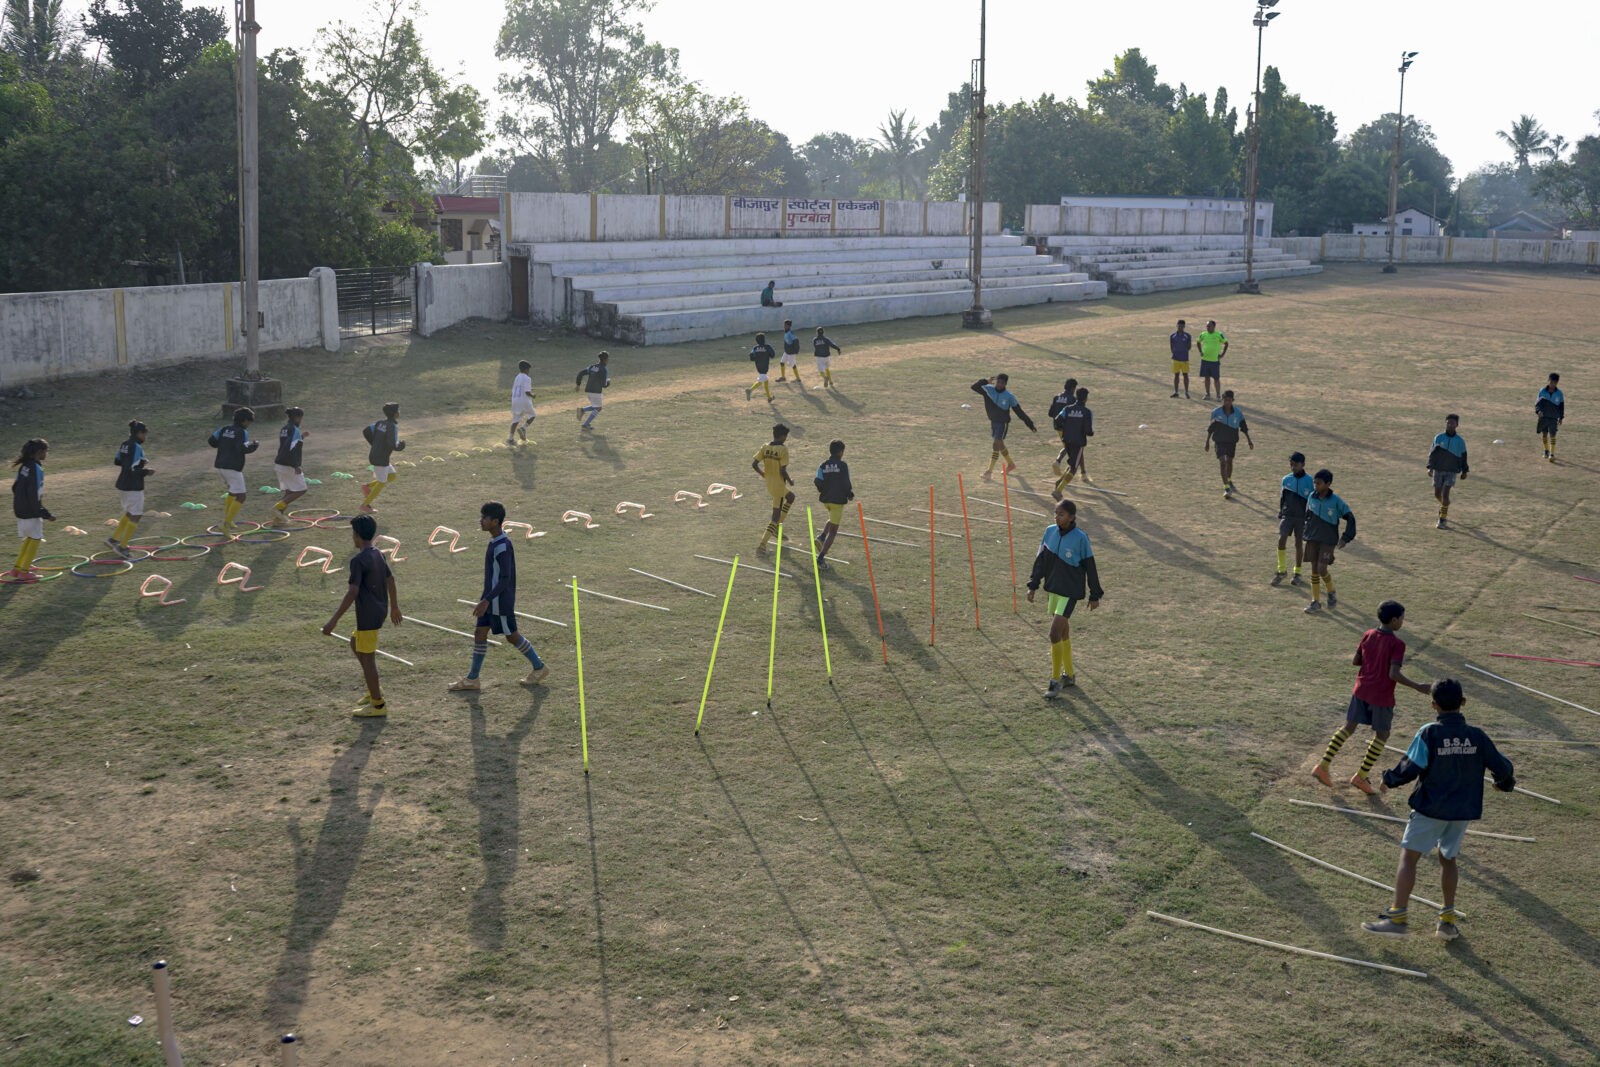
[920, 863]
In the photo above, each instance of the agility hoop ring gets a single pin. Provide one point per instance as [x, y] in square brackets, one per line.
[193, 540]
[164, 553]
[31, 578]
[127, 565]
[264, 536]
[117, 557]
[242, 526]
[59, 567]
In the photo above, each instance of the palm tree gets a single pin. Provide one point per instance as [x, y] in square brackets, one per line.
[1558, 145]
[901, 139]
[1527, 139]
[34, 35]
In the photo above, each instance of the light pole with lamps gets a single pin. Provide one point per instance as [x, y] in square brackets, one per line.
[1394, 163]
[1250, 285]
[977, 316]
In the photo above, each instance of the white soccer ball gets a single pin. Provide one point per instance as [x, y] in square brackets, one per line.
[965, 406]
[1499, 441]
[1144, 426]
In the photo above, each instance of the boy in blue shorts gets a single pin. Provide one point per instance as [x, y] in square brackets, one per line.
[1448, 759]
[496, 608]
[373, 593]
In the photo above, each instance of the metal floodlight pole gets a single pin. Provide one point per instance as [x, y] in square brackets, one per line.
[1394, 162]
[1250, 285]
[977, 316]
[249, 200]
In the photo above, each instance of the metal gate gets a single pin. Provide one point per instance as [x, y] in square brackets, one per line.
[375, 300]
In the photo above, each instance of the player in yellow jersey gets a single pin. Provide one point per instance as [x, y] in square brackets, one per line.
[772, 463]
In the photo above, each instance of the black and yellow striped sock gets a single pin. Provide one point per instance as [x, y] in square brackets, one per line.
[1283, 561]
[1444, 510]
[1340, 736]
[1327, 584]
[1374, 750]
[994, 457]
[1316, 587]
[772, 531]
[1396, 916]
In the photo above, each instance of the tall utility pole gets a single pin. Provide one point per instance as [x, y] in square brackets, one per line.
[1394, 162]
[1250, 285]
[977, 316]
[245, 29]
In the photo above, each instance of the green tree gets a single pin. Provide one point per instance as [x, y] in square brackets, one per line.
[939, 134]
[1204, 143]
[1426, 175]
[1130, 84]
[837, 164]
[702, 144]
[584, 63]
[35, 33]
[1354, 189]
[1574, 184]
[151, 42]
[901, 144]
[1527, 140]
[1297, 144]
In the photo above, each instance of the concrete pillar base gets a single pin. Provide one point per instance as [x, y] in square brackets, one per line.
[262, 395]
[976, 318]
[1253, 288]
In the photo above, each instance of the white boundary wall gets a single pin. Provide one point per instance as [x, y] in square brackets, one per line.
[59, 335]
[539, 218]
[1359, 248]
[1054, 220]
[451, 294]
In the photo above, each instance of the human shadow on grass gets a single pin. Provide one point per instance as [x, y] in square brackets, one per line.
[495, 794]
[824, 971]
[1157, 541]
[322, 879]
[595, 445]
[599, 926]
[525, 464]
[1463, 952]
[909, 957]
[49, 621]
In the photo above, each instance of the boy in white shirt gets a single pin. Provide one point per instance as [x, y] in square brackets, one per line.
[521, 404]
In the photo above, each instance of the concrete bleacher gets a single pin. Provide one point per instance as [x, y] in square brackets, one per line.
[1155, 264]
[661, 292]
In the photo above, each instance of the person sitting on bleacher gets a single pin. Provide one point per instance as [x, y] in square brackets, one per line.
[768, 299]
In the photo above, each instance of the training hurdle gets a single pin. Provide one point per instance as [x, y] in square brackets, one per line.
[160, 592]
[392, 548]
[242, 579]
[722, 487]
[435, 540]
[628, 505]
[695, 498]
[321, 556]
[580, 516]
[74, 531]
[508, 526]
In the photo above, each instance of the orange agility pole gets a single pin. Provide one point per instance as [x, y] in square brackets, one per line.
[866, 546]
[933, 595]
[977, 620]
[1011, 543]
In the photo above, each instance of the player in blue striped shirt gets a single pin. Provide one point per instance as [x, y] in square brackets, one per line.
[496, 609]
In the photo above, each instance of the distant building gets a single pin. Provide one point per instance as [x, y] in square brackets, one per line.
[468, 227]
[1527, 226]
[1411, 222]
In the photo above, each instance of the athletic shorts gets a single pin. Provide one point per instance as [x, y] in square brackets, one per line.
[364, 641]
[1424, 833]
[822, 363]
[1317, 552]
[234, 480]
[33, 528]
[789, 359]
[779, 496]
[594, 400]
[289, 479]
[499, 624]
[1211, 368]
[998, 430]
[1290, 525]
[1444, 479]
[1360, 713]
[1180, 366]
[1548, 424]
[133, 501]
[835, 513]
[384, 474]
[1060, 605]
[522, 408]
[1074, 450]
[761, 376]
[1225, 451]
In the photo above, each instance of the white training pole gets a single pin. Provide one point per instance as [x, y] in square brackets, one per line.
[1539, 741]
[1530, 689]
[918, 529]
[436, 626]
[1395, 818]
[291, 1050]
[1489, 778]
[519, 614]
[169, 1039]
[974, 518]
[381, 652]
[743, 566]
[1013, 507]
[618, 599]
[1340, 870]
[669, 581]
[1285, 948]
[881, 540]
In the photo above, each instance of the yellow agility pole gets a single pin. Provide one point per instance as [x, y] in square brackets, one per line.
[716, 641]
[816, 575]
[772, 643]
[583, 715]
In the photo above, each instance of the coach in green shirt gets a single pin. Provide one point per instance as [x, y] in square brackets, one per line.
[1213, 346]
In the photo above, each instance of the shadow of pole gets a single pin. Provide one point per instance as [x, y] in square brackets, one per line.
[599, 927]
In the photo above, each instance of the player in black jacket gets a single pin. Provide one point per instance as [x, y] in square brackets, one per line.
[132, 469]
[834, 490]
[384, 437]
[27, 503]
[233, 444]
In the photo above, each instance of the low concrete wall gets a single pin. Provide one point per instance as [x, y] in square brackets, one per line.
[1357, 248]
[59, 335]
[451, 294]
[1050, 220]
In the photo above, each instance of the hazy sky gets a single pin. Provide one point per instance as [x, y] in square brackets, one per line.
[822, 65]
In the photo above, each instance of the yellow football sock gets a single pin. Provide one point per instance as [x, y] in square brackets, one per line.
[1340, 736]
[1063, 481]
[1055, 659]
[1283, 560]
[1066, 656]
[1007, 454]
[1327, 582]
[282, 505]
[994, 457]
[24, 554]
[230, 510]
[116, 533]
[373, 490]
[125, 531]
[827, 376]
[1316, 588]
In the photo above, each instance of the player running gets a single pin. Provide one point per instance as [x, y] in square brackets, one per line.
[1324, 513]
[27, 504]
[762, 355]
[790, 360]
[384, 437]
[821, 346]
[287, 464]
[592, 380]
[233, 443]
[1076, 425]
[132, 470]
[834, 490]
[1297, 488]
[522, 413]
[772, 463]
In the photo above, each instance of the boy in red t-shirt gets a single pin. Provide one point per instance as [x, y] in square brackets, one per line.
[1378, 658]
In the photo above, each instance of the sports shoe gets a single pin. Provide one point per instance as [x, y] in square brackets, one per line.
[1174, 394]
[366, 698]
[1277, 579]
[1385, 925]
[370, 711]
[21, 577]
[1551, 457]
[1055, 494]
[1547, 453]
[366, 509]
[988, 476]
[1314, 608]
[1052, 690]
[749, 391]
[1333, 599]
[510, 441]
[1231, 486]
[1320, 773]
[536, 676]
[822, 564]
[1441, 525]
[1227, 492]
[1297, 580]
[1068, 681]
[1361, 783]
[464, 685]
[1009, 468]
[1446, 930]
